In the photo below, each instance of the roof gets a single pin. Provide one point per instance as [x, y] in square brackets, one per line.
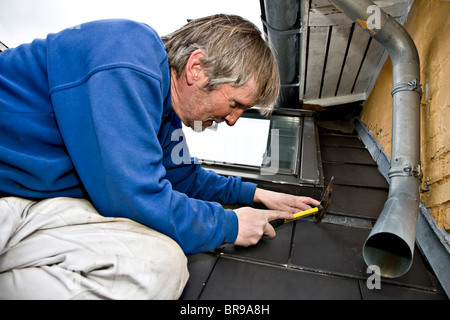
[340, 61]
[2, 47]
[316, 261]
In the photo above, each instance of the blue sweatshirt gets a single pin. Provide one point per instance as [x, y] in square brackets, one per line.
[87, 113]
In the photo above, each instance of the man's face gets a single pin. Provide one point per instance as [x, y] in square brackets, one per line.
[225, 103]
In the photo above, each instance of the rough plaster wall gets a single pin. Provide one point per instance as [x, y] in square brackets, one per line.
[428, 24]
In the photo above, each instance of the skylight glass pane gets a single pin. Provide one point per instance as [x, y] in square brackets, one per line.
[289, 135]
[245, 143]
[253, 141]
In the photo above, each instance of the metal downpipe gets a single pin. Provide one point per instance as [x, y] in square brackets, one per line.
[281, 22]
[390, 245]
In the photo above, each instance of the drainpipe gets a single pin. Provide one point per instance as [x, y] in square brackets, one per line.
[281, 22]
[390, 245]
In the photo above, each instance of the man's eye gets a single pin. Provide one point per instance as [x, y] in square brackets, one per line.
[237, 105]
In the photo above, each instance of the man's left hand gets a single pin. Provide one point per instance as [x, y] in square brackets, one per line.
[283, 201]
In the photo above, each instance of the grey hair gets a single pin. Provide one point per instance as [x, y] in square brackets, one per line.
[234, 50]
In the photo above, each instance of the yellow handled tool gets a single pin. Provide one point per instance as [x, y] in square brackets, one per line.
[305, 213]
[318, 212]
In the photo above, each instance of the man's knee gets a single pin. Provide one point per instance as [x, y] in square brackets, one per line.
[139, 263]
[93, 256]
[167, 272]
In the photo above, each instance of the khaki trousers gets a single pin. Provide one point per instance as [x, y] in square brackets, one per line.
[62, 248]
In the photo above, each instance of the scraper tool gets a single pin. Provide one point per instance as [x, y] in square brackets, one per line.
[318, 212]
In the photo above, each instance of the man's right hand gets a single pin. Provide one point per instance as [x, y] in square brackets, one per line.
[254, 224]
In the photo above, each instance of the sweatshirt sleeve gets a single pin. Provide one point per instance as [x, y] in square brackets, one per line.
[187, 176]
[111, 137]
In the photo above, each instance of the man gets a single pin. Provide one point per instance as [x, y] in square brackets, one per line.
[86, 119]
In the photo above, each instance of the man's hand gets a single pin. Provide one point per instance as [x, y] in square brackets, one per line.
[254, 224]
[284, 202]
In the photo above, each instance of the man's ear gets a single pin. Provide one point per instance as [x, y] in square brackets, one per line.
[193, 69]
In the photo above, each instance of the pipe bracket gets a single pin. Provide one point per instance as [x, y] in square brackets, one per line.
[280, 32]
[406, 171]
[413, 85]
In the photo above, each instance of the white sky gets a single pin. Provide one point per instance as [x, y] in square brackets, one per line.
[22, 21]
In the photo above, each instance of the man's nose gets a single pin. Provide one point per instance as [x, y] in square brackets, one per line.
[233, 116]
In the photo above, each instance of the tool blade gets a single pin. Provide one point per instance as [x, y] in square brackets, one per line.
[325, 201]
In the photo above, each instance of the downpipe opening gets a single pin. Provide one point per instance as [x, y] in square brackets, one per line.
[390, 244]
[389, 252]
